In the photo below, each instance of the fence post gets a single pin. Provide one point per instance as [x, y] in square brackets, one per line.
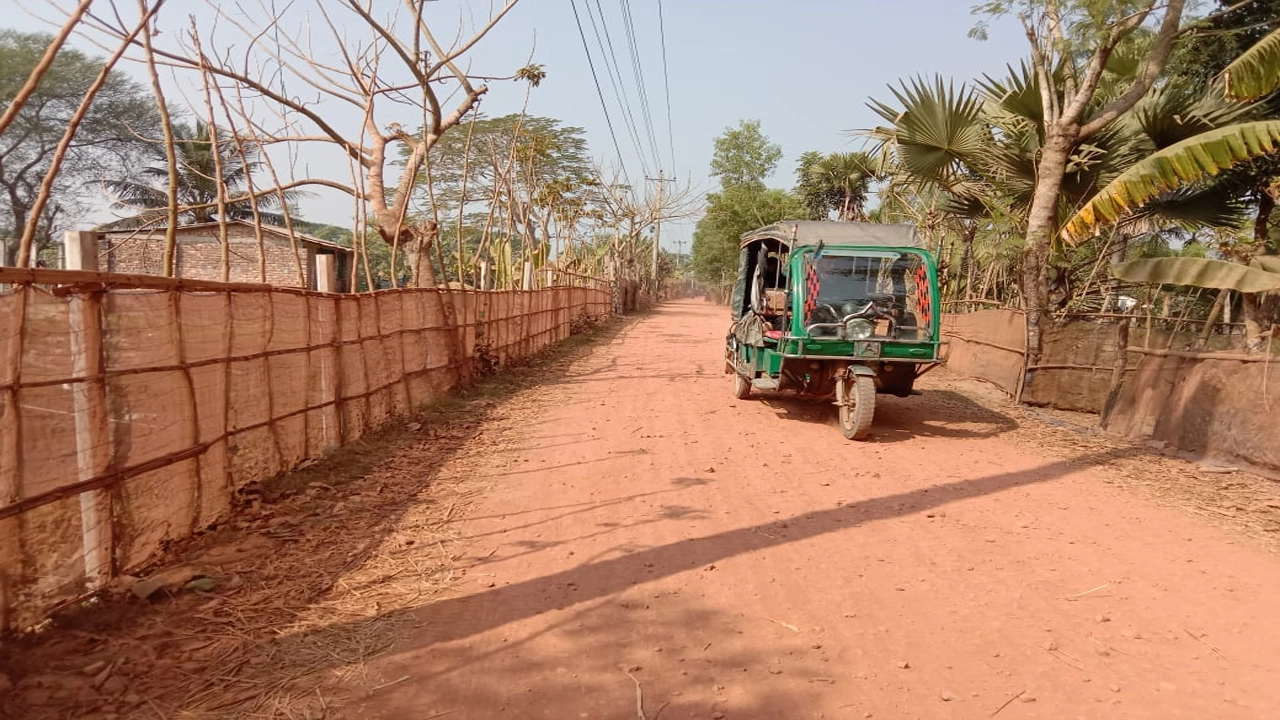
[88, 399]
[527, 279]
[1117, 371]
[80, 250]
[326, 273]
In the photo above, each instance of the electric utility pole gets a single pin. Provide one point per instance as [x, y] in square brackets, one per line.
[657, 226]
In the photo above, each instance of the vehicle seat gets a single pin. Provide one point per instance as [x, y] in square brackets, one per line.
[775, 302]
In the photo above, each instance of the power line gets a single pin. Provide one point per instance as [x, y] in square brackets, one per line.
[600, 93]
[615, 74]
[628, 23]
[666, 85]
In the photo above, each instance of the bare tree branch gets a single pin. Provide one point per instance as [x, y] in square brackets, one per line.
[46, 61]
[46, 185]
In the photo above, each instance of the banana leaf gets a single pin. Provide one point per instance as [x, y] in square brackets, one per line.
[1198, 272]
[1178, 165]
[1256, 72]
[1270, 263]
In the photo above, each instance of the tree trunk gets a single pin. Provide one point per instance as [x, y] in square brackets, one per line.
[1251, 314]
[9, 248]
[1262, 223]
[1256, 308]
[1206, 331]
[1042, 223]
[1119, 251]
[967, 264]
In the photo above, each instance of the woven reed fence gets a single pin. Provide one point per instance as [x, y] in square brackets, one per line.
[131, 415]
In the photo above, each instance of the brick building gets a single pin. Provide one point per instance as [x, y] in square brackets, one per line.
[199, 254]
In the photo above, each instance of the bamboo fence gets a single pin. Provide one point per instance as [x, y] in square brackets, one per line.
[132, 409]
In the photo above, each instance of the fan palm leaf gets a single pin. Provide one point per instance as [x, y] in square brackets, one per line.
[937, 130]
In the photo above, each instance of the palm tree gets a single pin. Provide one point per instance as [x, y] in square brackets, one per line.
[979, 146]
[198, 182]
[839, 182]
[972, 152]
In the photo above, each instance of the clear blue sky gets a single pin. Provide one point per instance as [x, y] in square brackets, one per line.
[804, 68]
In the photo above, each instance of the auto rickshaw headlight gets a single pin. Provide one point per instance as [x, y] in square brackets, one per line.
[858, 329]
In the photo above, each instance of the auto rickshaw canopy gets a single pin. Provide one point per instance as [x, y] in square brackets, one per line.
[795, 233]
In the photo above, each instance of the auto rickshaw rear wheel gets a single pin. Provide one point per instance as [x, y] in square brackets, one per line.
[857, 406]
[741, 387]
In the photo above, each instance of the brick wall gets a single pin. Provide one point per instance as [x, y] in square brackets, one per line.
[200, 256]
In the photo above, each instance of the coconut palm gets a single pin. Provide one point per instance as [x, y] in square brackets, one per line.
[198, 182]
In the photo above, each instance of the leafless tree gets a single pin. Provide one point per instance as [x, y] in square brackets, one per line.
[347, 75]
[631, 213]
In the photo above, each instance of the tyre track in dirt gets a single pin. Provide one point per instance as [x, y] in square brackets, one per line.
[739, 559]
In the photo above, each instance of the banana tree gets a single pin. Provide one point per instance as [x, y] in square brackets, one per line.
[1256, 72]
[1198, 160]
[1185, 163]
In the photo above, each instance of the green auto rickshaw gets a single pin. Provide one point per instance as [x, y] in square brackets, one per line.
[841, 310]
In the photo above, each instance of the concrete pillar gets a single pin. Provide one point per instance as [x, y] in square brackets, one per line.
[527, 283]
[81, 248]
[326, 272]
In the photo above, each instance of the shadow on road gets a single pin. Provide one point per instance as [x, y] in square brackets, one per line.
[934, 413]
[248, 646]
[580, 590]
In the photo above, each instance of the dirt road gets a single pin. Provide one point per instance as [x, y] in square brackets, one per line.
[652, 540]
[625, 541]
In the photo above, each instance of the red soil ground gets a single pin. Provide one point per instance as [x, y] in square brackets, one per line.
[625, 540]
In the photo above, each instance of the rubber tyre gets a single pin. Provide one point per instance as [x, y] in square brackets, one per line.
[741, 387]
[855, 421]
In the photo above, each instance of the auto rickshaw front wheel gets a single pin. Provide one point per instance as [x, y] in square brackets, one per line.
[741, 387]
[856, 396]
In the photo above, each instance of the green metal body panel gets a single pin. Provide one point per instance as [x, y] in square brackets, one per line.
[798, 344]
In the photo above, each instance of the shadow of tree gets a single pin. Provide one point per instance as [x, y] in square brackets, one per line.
[600, 595]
